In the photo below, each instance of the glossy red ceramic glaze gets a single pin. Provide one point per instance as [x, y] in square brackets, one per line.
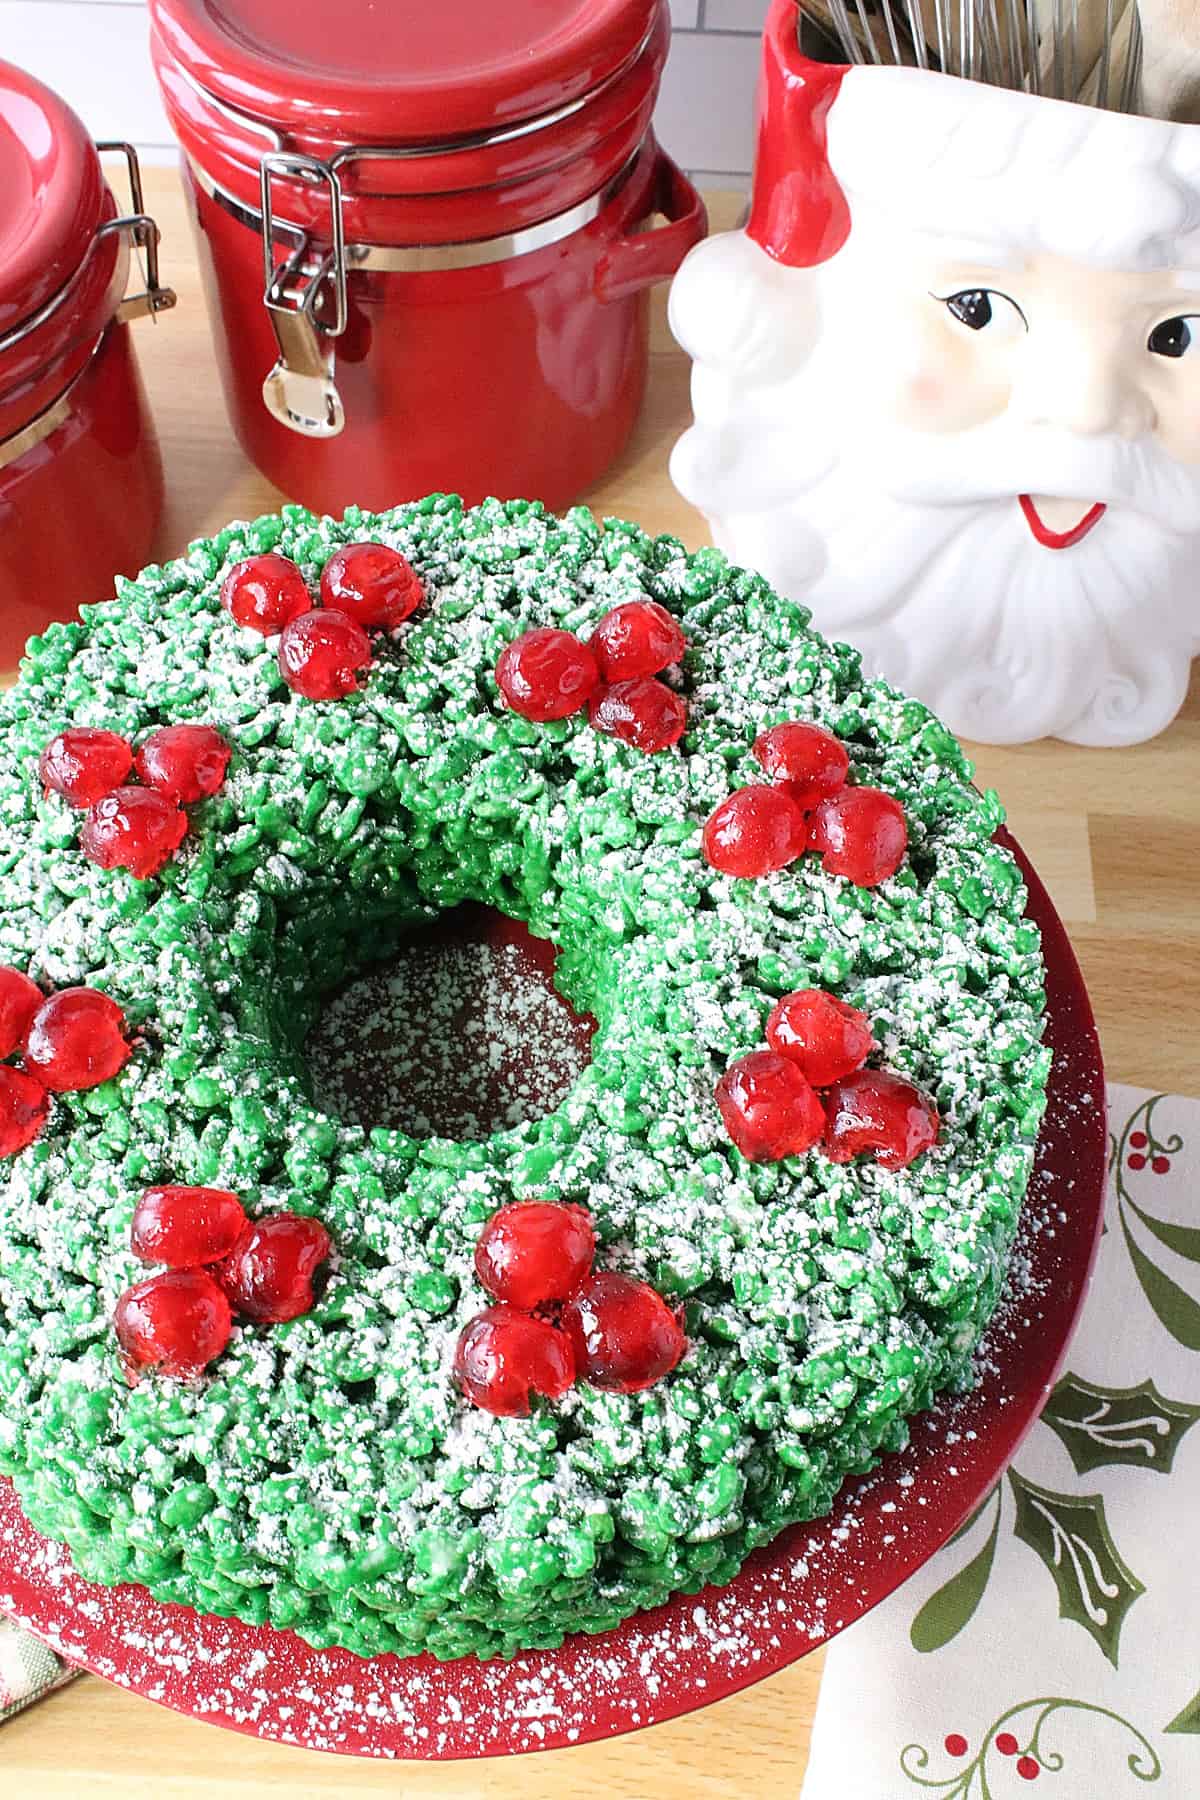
[520, 377]
[1060, 540]
[399, 69]
[799, 213]
[51, 193]
[791, 1596]
[83, 505]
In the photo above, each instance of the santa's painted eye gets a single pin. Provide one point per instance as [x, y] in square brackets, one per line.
[985, 309]
[1174, 337]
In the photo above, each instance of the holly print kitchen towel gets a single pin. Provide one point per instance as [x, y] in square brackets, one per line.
[27, 1670]
[1056, 1638]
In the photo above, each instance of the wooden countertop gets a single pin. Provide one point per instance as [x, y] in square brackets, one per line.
[1116, 837]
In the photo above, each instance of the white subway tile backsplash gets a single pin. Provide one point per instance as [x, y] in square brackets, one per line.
[94, 52]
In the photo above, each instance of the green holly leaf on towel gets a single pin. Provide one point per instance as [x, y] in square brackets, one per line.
[946, 1612]
[1100, 1427]
[1188, 1720]
[1070, 1533]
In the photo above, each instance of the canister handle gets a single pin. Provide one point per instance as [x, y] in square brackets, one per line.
[640, 258]
[144, 234]
[300, 390]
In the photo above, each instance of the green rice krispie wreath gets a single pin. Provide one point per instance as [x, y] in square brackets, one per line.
[327, 1474]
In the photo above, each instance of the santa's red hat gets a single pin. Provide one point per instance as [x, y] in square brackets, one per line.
[799, 213]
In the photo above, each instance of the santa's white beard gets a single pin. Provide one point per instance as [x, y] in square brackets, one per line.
[1006, 639]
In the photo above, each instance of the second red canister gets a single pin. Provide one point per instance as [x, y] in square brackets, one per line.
[427, 234]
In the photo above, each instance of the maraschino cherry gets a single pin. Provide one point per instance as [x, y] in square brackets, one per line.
[24, 1109]
[373, 584]
[186, 1227]
[770, 1110]
[546, 674]
[860, 832]
[881, 1112]
[76, 1040]
[134, 828]
[624, 1334]
[175, 1323]
[264, 593]
[534, 1253]
[755, 831]
[806, 758]
[268, 1273]
[19, 1000]
[322, 653]
[185, 762]
[821, 1034]
[642, 712]
[637, 638]
[84, 764]
[504, 1356]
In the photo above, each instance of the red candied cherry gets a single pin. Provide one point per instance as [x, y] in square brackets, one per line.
[1007, 1744]
[19, 1000]
[533, 1252]
[24, 1109]
[84, 764]
[185, 762]
[638, 638]
[625, 1335]
[769, 1108]
[754, 832]
[546, 674]
[876, 1110]
[134, 828]
[373, 584]
[321, 654]
[807, 758]
[186, 1226]
[268, 1273]
[505, 1355]
[176, 1323]
[77, 1040]
[265, 593]
[860, 833]
[822, 1035]
[642, 712]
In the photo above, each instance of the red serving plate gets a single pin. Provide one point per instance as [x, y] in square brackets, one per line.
[793, 1595]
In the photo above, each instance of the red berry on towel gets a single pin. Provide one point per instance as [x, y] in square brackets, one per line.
[175, 1323]
[504, 1356]
[76, 1040]
[265, 592]
[134, 828]
[625, 1335]
[373, 584]
[84, 764]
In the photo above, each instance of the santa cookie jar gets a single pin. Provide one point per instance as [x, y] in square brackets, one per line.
[947, 391]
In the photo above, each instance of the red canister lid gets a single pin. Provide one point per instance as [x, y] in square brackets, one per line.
[52, 195]
[394, 71]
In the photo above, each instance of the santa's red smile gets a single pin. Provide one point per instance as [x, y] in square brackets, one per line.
[1059, 540]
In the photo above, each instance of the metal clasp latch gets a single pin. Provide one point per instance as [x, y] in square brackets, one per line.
[143, 234]
[300, 390]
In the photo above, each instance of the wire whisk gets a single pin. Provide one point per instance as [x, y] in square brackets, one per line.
[1084, 50]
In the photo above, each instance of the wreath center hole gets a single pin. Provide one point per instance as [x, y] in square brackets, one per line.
[459, 1034]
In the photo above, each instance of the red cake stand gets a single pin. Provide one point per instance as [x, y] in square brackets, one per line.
[793, 1595]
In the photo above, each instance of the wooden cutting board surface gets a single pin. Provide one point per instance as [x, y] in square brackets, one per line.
[1115, 834]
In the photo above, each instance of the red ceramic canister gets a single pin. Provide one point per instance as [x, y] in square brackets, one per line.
[80, 476]
[427, 234]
